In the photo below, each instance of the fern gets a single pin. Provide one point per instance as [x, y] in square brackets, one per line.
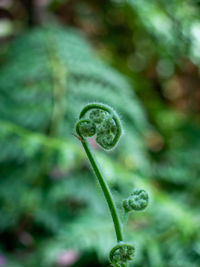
[45, 181]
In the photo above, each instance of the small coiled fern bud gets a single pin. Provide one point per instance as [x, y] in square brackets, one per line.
[104, 141]
[138, 200]
[102, 120]
[87, 128]
[97, 115]
[121, 254]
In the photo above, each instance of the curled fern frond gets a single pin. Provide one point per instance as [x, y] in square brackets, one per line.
[138, 200]
[97, 115]
[102, 120]
[86, 128]
[121, 254]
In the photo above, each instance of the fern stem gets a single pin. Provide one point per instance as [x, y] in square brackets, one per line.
[106, 191]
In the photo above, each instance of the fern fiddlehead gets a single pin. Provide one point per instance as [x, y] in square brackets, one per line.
[121, 254]
[138, 200]
[101, 120]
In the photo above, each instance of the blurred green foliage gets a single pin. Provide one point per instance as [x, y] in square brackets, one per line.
[52, 211]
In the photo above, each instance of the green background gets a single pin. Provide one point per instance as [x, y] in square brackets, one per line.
[142, 58]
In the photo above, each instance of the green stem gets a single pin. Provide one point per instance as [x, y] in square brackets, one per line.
[106, 191]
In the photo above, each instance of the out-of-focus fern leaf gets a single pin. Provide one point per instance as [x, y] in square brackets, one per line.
[54, 72]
